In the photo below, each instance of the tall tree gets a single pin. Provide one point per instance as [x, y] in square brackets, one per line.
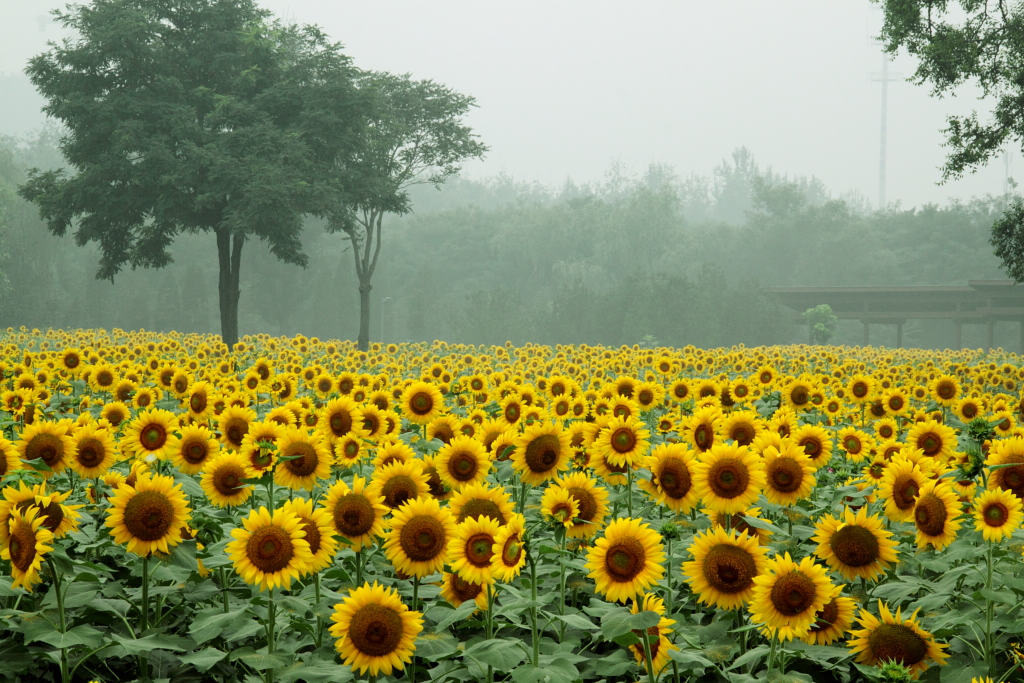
[187, 117]
[416, 135]
[969, 41]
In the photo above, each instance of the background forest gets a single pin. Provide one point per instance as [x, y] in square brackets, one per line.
[664, 260]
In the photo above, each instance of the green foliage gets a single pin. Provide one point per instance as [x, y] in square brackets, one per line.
[821, 323]
[1008, 240]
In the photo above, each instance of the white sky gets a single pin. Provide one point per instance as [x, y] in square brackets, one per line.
[566, 88]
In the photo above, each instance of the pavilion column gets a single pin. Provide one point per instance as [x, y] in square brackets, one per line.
[990, 334]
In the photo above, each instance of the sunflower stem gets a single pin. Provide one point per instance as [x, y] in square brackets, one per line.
[533, 608]
[645, 636]
[143, 660]
[359, 567]
[319, 618]
[223, 587]
[489, 626]
[668, 575]
[989, 660]
[58, 589]
[560, 532]
[271, 614]
[629, 489]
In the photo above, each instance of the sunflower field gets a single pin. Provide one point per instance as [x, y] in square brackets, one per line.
[294, 509]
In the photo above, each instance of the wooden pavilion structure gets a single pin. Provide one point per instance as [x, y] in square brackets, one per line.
[979, 302]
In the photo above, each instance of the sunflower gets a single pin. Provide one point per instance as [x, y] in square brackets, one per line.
[945, 389]
[148, 516]
[358, 516]
[934, 439]
[854, 442]
[728, 478]
[592, 500]
[193, 449]
[788, 474]
[626, 560]
[319, 532]
[787, 596]
[421, 402]
[723, 567]
[375, 632]
[831, 622]
[348, 450]
[623, 441]
[443, 428]
[46, 445]
[1006, 458]
[997, 514]
[9, 461]
[200, 407]
[58, 518]
[480, 499]
[392, 451]
[340, 417]
[658, 642]
[93, 453]
[223, 479]
[471, 549]
[558, 506]
[815, 442]
[457, 590]
[399, 483]
[860, 389]
[701, 429]
[115, 413]
[671, 482]
[936, 514]
[541, 452]
[234, 425]
[892, 638]
[900, 487]
[417, 543]
[270, 550]
[856, 546]
[509, 553]
[462, 461]
[742, 426]
[303, 459]
[27, 542]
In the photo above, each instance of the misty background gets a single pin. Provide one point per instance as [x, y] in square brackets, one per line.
[651, 169]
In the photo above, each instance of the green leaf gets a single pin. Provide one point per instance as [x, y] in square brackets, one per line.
[210, 624]
[78, 635]
[458, 614]
[579, 621]
[503, 655]
[261, 661]
[154, 641]
[750, 657]
[434, 646]
[203, 659]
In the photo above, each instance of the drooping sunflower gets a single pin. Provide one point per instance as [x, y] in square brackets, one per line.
[509, 553]
[94, 451]
[421, 402]
[316, 522]
[457, 590]
[196, 446]
[270, 550]
[997, 514]
[788, 474]
[728, 477]
[723, 567]
[934, 439]
[303, 459]
[592, 500]
[28, 541]
[471, 549]
[936, 514]
[626, 560]
[148, 516]
[788, 595]
[558, 505]
[623, 441]
[899, 488]
[46, 445]
[223, 480]
[462, 461]
[234, 425]
[541, 452]
[374, 631]
[832, 621]
[399, 483]
[480, 499]
[358, 516]
[856, 545]
[891, 638]
[417, 542]
[659, 644]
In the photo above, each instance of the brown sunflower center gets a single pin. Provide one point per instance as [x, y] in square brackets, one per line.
[703, 436]
[194, 451]
[625, 559]
[463, 466]
[398, 489]
[306, 463]
[476, 507]
[22, 546]
[227, 479]
[729, 568]
[235, 430]
[312, 534]
[799, 396]
[742, 434]
[104, 378]
[479, 549]
[897, 643]
[422, 538]
[623, 440]
[375, 630]
[1012, 478]
[995, 514]
[930, 515]
[353, 515]
[52, 512]
[421, 403]
[930, 443]
[785, 475]
[46, 447]
[826, 616]
[793, 593]
[859, 389]
[153, 436]
[90, 452]
[197, 402]
[946, 390]
[728, 477]
[854, 546]
[463, 590]
[269, 549]
[148, 515]
[542, 453]
[511, 551]
[674, 479]
[851, 444]
[812, 446]
[904, 492]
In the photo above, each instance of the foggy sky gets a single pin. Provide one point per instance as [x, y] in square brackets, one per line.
[566, 89]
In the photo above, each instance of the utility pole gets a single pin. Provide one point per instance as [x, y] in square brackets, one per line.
[885, 79]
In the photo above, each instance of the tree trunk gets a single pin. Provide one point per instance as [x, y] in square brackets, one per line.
[229, 256]
[363, 342]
